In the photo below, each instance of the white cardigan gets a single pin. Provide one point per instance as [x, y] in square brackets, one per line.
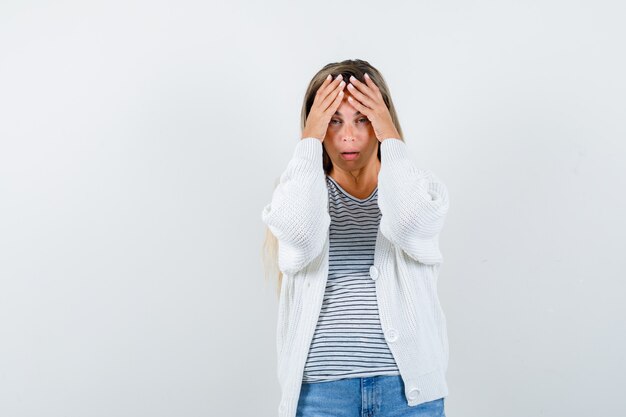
[413, 204]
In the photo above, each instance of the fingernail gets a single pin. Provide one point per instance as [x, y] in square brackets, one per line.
[367, 75]
[338, 77]
[329, 77]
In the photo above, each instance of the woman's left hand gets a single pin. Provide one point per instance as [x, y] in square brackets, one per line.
[369, 101]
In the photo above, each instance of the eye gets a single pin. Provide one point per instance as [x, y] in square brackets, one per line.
[364, 119]
[332, 121]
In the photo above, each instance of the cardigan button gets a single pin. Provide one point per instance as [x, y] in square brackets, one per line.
[391, 334]
[413, 393]
[373, 272]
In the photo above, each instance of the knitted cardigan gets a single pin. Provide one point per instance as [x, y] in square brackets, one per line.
[413, 204]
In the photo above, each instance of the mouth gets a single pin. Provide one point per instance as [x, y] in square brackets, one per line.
[349, 155]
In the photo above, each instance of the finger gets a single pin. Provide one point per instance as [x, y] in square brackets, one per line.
[360, 107]
[331, 97]
[334, 95]
[362, 88]
[326, 91]
[322, 94]
[335, 104]
[373, 85]
[327, 81]
[368, 101]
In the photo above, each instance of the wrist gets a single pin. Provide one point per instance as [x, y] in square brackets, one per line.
[390, 136]
[311, 135]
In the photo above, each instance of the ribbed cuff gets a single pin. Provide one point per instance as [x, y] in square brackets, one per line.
[307, 158]
[392, 149]
[309, 148]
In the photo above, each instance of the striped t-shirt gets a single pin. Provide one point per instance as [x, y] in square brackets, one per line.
[348, 340]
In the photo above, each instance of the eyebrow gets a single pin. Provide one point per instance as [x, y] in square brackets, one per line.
[358, 113]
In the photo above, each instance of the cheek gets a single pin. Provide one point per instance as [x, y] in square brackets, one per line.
[329, 145]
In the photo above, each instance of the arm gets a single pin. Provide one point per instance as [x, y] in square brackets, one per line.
[413, 203]
[298, 213]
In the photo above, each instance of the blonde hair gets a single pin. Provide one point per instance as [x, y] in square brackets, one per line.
[356, 68]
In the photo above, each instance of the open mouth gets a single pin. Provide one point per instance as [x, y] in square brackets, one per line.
[349, 155]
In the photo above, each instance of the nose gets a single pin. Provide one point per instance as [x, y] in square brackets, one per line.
[347, 134]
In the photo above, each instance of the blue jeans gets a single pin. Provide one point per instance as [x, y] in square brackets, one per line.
[377, 396]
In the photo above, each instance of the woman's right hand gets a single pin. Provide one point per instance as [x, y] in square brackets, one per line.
[326, 102]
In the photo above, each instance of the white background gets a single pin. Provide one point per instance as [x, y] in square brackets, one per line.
[139, 141]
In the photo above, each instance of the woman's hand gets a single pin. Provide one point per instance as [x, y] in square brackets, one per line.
[369, 101]
[326, 102]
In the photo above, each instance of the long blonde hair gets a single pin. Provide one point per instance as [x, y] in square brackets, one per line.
[357, 68]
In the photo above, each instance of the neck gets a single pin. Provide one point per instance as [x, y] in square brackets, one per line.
[360, 180]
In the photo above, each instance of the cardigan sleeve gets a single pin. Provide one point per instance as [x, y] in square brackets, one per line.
[413, 203]
[298, 214]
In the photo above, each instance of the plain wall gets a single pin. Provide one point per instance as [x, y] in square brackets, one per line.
[140, 140]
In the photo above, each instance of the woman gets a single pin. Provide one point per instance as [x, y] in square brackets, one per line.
[354, 227]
